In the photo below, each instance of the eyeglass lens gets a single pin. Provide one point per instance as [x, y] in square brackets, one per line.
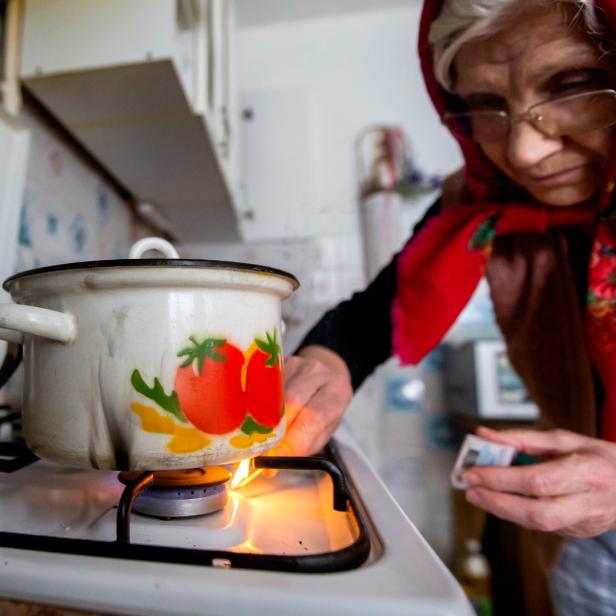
[559, 117]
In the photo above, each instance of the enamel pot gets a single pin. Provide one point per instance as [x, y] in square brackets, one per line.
[148, 364]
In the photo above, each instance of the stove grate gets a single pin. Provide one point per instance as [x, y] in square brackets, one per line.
[348, 557]
[14, 456]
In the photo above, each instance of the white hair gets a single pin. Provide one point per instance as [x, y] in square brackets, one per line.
[461, 21]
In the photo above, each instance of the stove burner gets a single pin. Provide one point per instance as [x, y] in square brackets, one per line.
[339, 559]
[181, 493]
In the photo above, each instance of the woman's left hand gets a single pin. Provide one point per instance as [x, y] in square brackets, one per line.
[572, 492]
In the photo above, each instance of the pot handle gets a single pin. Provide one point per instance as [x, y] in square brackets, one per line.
[153, 243]
[11, 336]
[17, 320]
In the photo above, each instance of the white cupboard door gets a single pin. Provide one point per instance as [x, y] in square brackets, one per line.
[279, 189]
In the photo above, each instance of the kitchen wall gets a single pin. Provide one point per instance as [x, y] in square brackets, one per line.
[70, 212]
[357, 70]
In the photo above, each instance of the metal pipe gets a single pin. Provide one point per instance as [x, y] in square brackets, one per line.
[11, 87]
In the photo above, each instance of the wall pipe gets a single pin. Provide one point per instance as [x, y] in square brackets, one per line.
[10, 88]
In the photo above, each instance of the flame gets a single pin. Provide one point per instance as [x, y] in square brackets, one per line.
[242, 471]
[244, 474]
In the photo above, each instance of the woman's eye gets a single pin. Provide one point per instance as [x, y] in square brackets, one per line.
[486, 103]
[580, 81]
[575, 86]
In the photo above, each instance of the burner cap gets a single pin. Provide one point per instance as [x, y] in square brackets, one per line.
[181, 493]
[210, 475]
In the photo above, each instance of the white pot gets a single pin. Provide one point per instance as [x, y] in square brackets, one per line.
[149, 364]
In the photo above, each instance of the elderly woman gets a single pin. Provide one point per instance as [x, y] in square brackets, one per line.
[527, 88]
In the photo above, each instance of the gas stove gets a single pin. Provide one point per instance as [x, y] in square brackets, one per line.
[323, 535]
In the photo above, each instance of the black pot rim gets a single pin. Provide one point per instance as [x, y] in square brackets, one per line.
[198, 263]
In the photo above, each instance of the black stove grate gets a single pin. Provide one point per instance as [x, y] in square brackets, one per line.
[349, 557]
[14, 455]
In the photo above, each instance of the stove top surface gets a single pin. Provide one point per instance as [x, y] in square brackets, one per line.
[287, 516]
[264, 517]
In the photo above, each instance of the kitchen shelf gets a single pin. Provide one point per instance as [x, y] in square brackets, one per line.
[138, 84]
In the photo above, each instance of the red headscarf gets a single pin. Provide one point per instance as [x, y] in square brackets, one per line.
[439, 270]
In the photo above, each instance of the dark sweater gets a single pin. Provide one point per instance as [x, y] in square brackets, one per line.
[359, 329]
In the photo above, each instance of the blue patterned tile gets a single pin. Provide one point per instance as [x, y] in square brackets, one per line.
[52, 224]
[102, 203]
[79, 234]
[25, 237]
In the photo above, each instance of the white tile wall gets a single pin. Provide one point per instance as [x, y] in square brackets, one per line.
[70, 211]
[329, 269]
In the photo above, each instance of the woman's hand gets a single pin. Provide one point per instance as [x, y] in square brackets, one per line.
[572, 492]
[317, 392]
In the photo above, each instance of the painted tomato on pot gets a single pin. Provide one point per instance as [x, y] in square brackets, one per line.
[208, 385]
[265, 382]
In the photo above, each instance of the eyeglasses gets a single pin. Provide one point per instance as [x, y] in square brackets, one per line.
[559, 117]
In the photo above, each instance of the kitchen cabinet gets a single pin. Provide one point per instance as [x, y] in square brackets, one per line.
[280, 189]
[148, 88]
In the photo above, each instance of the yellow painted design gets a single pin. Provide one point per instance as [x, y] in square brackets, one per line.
[186, 439]
[241, 441]
[151, 421]
[247, 354]
[244, 441]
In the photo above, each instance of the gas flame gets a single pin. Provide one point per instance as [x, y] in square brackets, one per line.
[242, 471]
[245, 473]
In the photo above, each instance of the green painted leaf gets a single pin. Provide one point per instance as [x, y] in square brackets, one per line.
[171, 404]
[270, 347]
[250, 426]
[200, 350]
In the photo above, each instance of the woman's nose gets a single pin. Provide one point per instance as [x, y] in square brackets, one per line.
[528, 146]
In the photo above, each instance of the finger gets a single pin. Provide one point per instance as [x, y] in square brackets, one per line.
[537, 442]
[315, 399]
[291, 410]
[303, 379]
[548, 515]
[558, 477]
[313, 426]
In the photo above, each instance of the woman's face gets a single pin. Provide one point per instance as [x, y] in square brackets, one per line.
[540, 57]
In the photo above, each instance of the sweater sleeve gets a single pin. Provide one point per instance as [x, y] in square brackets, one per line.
[359, 329]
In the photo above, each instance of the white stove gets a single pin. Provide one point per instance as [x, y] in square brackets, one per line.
[277, 546]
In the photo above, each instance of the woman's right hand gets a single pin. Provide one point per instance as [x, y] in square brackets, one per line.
[317, 392]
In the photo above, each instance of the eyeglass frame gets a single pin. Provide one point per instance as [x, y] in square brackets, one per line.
[526, 116]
